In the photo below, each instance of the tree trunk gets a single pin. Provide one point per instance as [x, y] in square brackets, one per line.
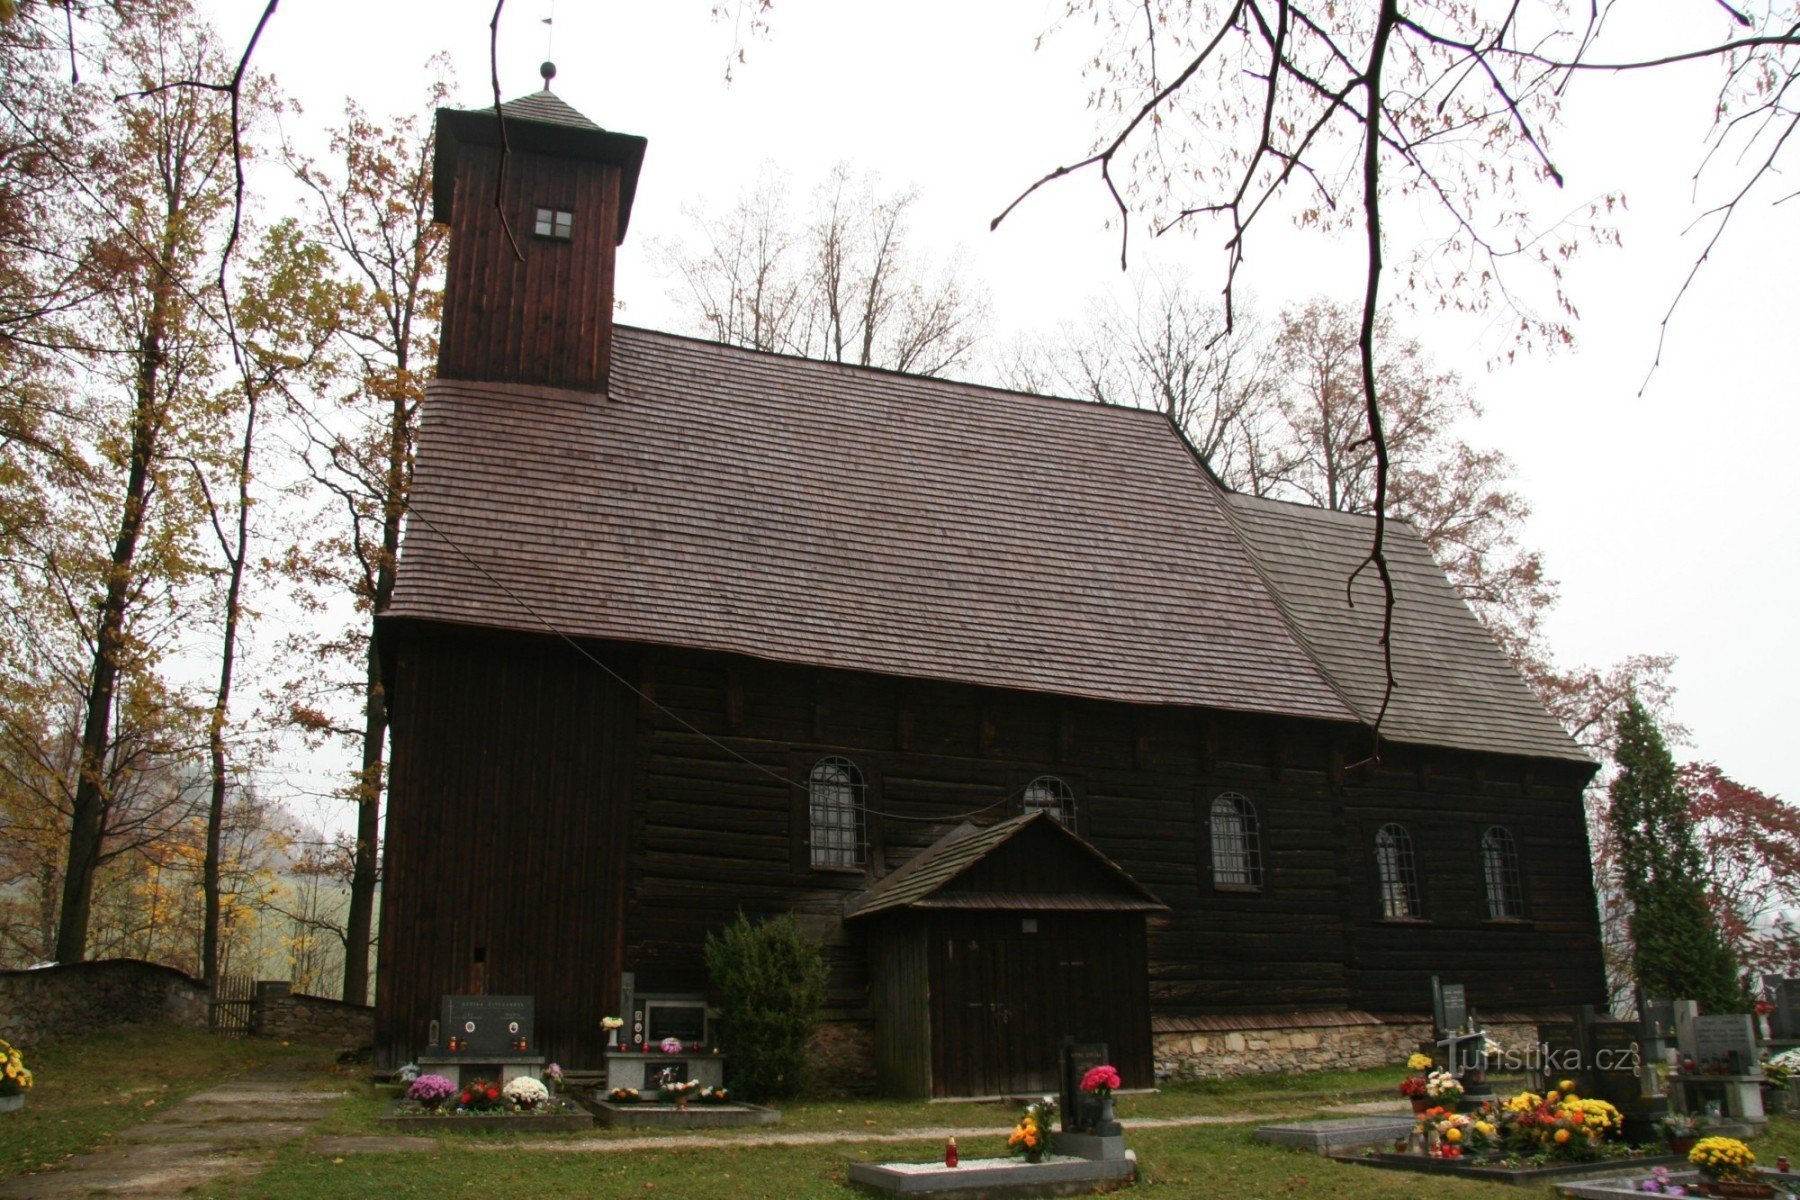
[360, 924]
[215, 810]
[359, 927]
[87, 826]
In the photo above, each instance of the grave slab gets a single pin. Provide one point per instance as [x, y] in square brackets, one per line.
[1520, 1176]
[995, 1178]
[1621, 1186]
[656, 1115]
[570, 1120]
[1328, 1137]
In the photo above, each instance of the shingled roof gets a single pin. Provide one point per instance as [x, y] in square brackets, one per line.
[1453, 687]
[545, 106]
[841, 517]
[923, 880]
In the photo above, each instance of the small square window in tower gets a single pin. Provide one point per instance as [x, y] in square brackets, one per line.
[554, 223]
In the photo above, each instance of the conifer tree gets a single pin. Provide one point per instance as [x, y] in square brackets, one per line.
[1676, 947]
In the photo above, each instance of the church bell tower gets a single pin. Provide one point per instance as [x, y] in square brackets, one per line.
[529, 299]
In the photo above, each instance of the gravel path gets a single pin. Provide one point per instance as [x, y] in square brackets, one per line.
[228, 1130]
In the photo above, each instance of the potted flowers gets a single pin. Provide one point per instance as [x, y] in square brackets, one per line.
[429, 1091]
[1031, 1136]
[1099, 1083]
[1679, 1130]
[479, 1097]
[1413, 1086]
[15, 1078]
[526, 1092]
[1729, 1166]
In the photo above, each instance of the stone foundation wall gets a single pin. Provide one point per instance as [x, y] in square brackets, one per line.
[62, 1001]
[280, 1013]
[1222, 1054]
[843, 1057]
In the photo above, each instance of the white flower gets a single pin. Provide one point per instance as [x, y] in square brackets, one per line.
[526, 1091]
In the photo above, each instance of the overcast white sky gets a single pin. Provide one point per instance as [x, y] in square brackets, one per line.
[1669, 518]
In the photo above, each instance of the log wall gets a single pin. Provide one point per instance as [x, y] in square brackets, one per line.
[713, 834]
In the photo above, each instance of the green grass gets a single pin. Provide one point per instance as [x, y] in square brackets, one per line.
[1213, 1160]
[89, 1088]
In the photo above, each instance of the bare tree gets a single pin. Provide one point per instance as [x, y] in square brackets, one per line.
[1171, 353]
[1225, 111]
[844, 283]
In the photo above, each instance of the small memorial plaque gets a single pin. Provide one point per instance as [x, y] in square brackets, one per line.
[1726, 1041]
[489, 1027]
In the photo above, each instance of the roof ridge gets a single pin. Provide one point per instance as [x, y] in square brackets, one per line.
[889, 372]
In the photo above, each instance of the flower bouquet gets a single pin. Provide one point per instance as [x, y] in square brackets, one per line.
[1443, 1088]
[714, 1095]
[1031, 1136]
[15, 1077]
[429, 1091]
[677, 1092]
[624, 1096]
[1560, 1124]
[1099, 1083]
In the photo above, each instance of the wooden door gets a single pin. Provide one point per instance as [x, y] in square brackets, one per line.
[1003, 997]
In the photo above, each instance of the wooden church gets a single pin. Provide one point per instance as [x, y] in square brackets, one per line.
[1041, 729]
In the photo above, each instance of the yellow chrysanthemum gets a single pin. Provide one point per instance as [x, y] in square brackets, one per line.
[1418, 1062]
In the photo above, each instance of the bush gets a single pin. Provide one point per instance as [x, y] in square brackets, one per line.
[770, 980]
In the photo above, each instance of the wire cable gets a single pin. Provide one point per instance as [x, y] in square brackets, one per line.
[646, 698]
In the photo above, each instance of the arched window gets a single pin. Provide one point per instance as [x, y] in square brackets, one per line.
[1500, 871]
[1236, 848]
[835, 804]
[1049, 794]
[1398, 873]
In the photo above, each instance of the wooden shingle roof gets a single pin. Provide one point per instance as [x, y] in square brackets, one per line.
[924, 880]
[813, 513]
[1453, 687]
[841, 517]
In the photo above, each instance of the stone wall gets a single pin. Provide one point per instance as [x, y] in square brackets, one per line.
[62, 1001]
[1219, 1048]
[280, 1013]
[843, 1058]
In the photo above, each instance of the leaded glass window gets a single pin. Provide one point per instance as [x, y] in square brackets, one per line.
[835, 805]
[1236, 845]
[1049, 794]
[1398, 874]
[1500, 872]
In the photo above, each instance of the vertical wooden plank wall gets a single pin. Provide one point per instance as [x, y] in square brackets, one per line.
[543, 315]
[507, 817]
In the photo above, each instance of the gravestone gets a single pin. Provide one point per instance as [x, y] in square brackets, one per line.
[1080, 1111]
[1784, 1022]
[1656, 1042]
[1727, 1042]
[1561, 1052]
[488, 1027]
[1449, 1007]
[1614, 1058]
